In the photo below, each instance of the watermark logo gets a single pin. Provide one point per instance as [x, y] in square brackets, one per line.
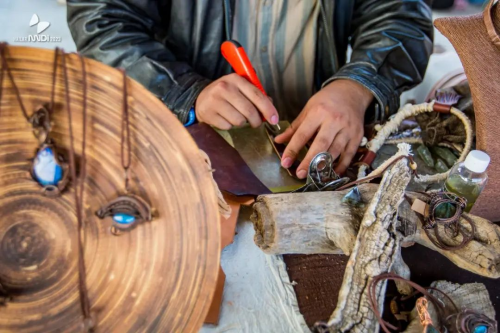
[41, 26]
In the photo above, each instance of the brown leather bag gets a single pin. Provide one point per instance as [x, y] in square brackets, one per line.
[477, 43]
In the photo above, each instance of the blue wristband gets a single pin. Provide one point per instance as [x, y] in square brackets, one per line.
[191, 118]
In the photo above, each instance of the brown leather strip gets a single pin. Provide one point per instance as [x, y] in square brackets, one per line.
[367, 179]
[441, 108]
[54, 78]
[78, 188]
[488, 21]
[126, 156]
[367, 158]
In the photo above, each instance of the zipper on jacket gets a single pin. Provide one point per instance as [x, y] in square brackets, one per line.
[329, 36]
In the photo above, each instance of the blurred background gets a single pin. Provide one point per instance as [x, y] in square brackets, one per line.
[15, 16]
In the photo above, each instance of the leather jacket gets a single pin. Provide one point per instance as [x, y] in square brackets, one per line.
[172, 47]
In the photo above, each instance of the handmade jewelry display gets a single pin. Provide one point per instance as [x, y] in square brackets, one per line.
[48, 168]
[60, 267]
[127, 210]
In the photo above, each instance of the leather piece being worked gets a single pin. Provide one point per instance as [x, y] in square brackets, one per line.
[232, 174]
[279, 149]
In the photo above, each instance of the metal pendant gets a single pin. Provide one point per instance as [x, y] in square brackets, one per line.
[48, 167]
[126, 211]
[322, 176]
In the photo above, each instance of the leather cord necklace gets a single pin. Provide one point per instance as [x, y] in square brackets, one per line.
[452, 224]
[381, 174]
[79, 189]
[460, 321]
[48, 168]
[127, 210]
[41, 128]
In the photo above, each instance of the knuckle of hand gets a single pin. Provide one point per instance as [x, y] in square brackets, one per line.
[339, 117]
[257, 96]
[336, 148]
[222, 86]
[292, 153]
[323, 142]
[321, 109]
[248, 110]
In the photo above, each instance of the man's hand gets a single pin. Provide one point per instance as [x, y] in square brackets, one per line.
[233, 101]
[335, 115]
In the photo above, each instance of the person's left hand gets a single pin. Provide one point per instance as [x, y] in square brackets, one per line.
[335, 115]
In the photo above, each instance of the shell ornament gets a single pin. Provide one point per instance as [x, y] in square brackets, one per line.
[127, 211]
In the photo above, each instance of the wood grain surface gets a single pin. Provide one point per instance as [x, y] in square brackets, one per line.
[161, 276]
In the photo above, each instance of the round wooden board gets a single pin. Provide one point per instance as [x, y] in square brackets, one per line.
[160, 277]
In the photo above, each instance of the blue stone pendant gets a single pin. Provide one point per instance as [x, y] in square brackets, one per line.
[481, 329]
[126, 211]
[46, 167]
[49, 170]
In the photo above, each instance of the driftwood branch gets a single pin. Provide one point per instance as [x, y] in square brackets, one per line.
[401, 268]
[310, 223]
[375, 251]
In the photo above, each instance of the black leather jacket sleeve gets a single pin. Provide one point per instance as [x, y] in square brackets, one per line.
[392, 41]
[113, 32]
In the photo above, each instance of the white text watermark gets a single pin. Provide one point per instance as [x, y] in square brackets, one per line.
[41, 26]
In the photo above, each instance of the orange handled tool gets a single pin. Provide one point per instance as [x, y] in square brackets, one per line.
[235, 54]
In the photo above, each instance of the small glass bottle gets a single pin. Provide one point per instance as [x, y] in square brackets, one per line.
[467, 179]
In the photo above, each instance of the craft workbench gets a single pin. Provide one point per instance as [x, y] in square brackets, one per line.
[316, 279]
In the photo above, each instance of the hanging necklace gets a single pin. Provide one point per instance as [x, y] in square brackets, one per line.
[88, 321]
[48, 168]
[127, 210]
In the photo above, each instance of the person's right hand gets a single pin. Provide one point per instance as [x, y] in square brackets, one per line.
[233, 101]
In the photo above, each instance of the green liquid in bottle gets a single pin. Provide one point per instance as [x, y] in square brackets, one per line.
[461, 187]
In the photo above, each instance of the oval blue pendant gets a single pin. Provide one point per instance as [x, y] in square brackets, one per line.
[126, 211]
[46, 168]
[123, 218]
[481, 329]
